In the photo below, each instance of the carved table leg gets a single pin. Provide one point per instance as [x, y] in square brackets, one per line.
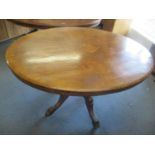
[51, 110]
[89, 104]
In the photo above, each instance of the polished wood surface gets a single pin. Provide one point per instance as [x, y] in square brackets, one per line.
[79, 61]
[46, 23]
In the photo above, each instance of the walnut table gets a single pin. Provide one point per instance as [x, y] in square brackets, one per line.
[79, 62]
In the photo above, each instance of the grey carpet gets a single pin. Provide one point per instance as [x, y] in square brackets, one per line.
[22, 109]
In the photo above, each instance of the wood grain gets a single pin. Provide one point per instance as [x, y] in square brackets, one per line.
[79, 61]
[47, 23]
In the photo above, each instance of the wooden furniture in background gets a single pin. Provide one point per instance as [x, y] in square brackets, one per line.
[120, 26]
[10, 30]
[48, 23]
[108, 24]
[86, 63]
[14, 28]
[3, 31]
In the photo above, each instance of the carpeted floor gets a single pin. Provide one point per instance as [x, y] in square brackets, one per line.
[22, 109]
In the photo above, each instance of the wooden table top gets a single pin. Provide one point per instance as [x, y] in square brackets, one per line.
[79, 61]
[47, 23]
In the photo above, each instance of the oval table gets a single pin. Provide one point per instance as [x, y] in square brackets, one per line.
[79, 62]
[47, 23]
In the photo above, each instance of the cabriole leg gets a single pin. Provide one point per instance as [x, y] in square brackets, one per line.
[51, 110]
[89, 104]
